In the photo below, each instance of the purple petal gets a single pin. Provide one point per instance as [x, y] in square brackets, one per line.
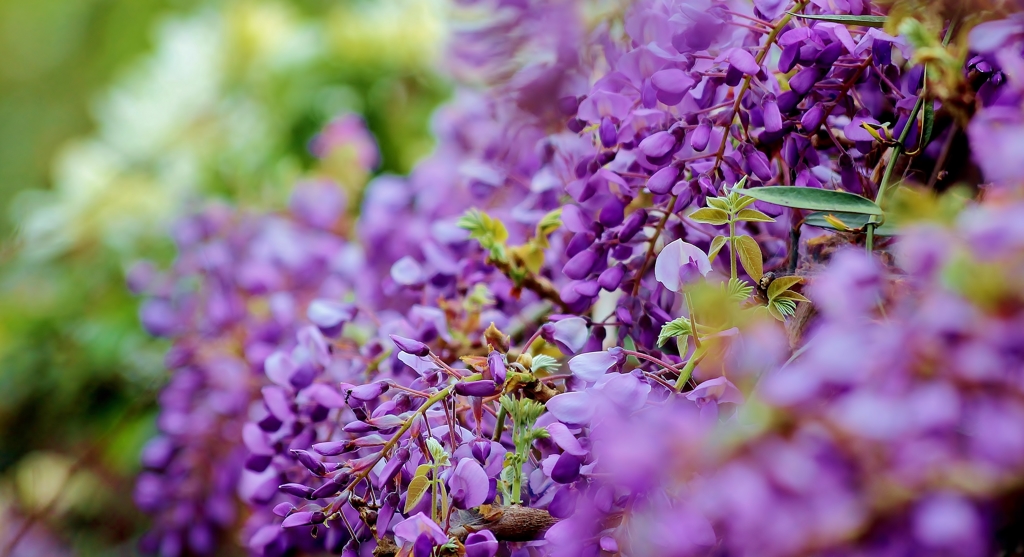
[590, 367]
[674, 256]
[411, 528]
[468, 484]
[572, 408]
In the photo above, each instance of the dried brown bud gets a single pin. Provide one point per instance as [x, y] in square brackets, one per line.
[496, 339]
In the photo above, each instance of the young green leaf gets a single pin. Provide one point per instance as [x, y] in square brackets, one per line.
[782, 284]
[877, 21]
[742, 201]
[753, 215]
[417, 489]
[674, 328]
[710, 216]
[739, 290]
[543, 362]
[750, 256]
[444, 498]
[790, 295]
[716, 246]
[815, 199]
[718, 203]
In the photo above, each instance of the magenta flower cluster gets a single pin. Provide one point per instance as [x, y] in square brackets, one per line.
[555, 336]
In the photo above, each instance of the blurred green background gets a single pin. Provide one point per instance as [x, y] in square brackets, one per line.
[115, 117]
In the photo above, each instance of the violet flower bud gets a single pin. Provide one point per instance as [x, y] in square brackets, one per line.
[772, 116]
[812, 119]
[566, 468]
[580, 265]
[787, 60]
[298, 490]
[758, 162]
[329, 488]
[702, 135]
[307, 460]
[607, 132]
[805, 80]
[496, 367]
[410, 346]
[657, 144]
[482, 388]
[828, 56]
[611, 278]
[393, 467]
[634, 224]
[369, 392]
[663, 180]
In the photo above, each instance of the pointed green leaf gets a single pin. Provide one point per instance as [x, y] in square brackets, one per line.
[929, 123]
[782, 284]
[852, 221]
[423, 470]
[674, 328]
[739, 289]
[750, 256]
[716, 246]
[815, 199]
[718, 203]
[710, 216]
[774, 312]
[753, 215]
[417, 489]
[790, 295]
[743, 202]
[877, 21]
[444, 499]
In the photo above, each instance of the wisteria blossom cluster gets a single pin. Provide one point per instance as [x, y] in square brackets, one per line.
[676, 281]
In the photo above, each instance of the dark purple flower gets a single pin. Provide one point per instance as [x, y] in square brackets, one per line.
[410, 346]
[663, 180]
[481, 544]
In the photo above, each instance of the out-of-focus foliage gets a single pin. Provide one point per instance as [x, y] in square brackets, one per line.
[209, 99]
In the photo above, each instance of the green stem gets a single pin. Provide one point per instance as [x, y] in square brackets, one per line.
[687, 370]
[732, 248]
[693, 322]
[897, 150]
[499, 426]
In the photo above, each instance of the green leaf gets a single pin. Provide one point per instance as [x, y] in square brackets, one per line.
[774, 312]
[815, 199]
[742, 201]
[753, 215]
[674, 328]
[483, 227]
[543, 362]
[750, 256]
[718, 203]
[417, 489]
[785, 307]
[782, 284]
[790, 295]
[929, 124]
[444, 498]
[853, 221]
[877, 21]
[739, 289]
[716, 246]
[710, 216]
